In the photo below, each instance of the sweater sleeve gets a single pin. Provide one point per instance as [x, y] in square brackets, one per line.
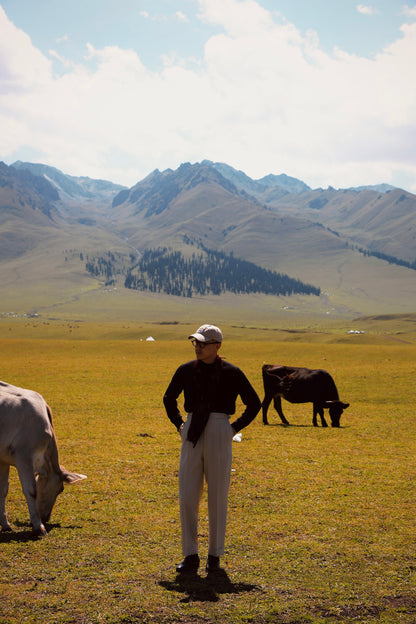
[251, 401]
[170, 398]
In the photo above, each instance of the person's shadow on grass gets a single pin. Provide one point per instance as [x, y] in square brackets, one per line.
[205, 589]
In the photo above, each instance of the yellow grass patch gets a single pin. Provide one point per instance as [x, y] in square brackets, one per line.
[321, 521]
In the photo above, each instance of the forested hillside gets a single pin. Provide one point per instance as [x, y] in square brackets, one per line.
[207, 272]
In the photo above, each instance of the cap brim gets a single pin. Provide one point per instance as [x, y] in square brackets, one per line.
[198, 337]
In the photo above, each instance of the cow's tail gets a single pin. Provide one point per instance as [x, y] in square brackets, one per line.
[53, 447]
[264, 370]
[332, 389]
[48, 409]
[269, 381]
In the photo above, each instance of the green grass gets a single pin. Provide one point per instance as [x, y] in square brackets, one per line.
[321, 521]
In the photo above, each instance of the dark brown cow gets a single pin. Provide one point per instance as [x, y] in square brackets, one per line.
[301, 385]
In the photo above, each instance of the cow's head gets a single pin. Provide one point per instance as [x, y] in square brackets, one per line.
[335, 411]
[49, 484]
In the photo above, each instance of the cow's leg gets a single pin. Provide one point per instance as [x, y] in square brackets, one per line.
[277, 401]
[323, 421]
[265, 406]
[4, 488]
[318, 409]
[28, 483]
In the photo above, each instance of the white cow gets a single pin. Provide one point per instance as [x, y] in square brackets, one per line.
[27, 441]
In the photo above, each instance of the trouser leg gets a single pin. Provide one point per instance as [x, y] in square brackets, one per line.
[191, 481]
[217, 440]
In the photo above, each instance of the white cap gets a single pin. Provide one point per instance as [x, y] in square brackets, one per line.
[207, 333]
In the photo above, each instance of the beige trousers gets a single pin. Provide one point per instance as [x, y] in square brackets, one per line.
[210, 458]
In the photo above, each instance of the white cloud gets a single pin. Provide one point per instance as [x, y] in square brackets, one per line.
[62, 39]
[237, 17]
[61, 59]
[366, 9]
[181, 17]
[409, 11]
[264, 99]
[22, 66]
[157, 17]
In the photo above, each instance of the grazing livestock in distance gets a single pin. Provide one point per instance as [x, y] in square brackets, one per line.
[27, 441]
[301, 385]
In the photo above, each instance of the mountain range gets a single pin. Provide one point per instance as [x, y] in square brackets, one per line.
[357, 245]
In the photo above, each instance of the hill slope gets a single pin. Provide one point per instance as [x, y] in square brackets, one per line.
[26, 204]
[70, 186]
[380, 222]
[309, 235]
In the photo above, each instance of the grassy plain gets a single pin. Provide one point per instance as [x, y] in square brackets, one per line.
[321, 521]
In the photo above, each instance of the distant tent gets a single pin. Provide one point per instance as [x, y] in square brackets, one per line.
[150, 339]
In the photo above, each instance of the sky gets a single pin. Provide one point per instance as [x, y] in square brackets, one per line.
[321, 90]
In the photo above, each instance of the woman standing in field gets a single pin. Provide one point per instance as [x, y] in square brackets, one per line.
[210, 386]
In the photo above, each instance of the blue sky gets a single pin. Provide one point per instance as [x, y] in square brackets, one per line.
[321, 90]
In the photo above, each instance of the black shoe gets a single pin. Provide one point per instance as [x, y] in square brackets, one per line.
[213, 564]
[189, 564]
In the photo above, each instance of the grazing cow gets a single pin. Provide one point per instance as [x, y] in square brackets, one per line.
[301, 385]
[27, 441]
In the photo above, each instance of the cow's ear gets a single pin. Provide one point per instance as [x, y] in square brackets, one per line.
[345, 405]
[71, 477]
